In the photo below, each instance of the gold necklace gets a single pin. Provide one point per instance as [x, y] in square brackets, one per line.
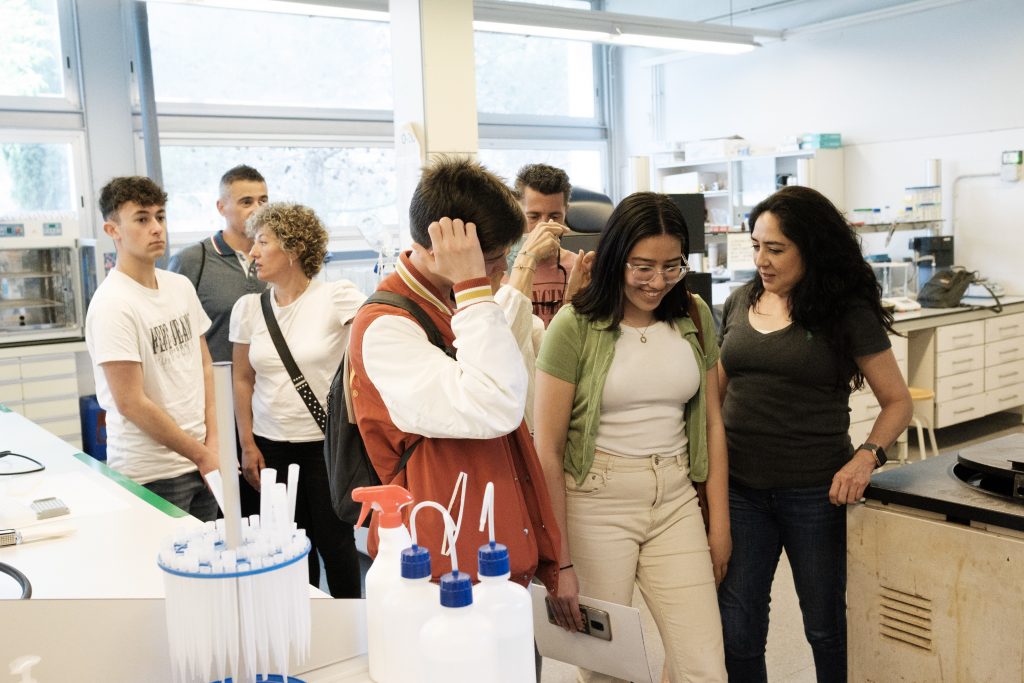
[643, 332]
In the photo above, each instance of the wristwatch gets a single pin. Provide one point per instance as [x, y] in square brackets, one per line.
[875, 450]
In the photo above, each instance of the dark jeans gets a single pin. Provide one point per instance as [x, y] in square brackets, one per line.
[190, 493]
[813, 532]
[332, 539]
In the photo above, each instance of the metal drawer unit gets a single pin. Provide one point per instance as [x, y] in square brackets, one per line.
[959, 373]
[1004, 362]
[44, 388]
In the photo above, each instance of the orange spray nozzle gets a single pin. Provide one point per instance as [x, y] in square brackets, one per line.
[388, 500]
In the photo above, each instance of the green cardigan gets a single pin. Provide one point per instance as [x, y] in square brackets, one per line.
[580, 352]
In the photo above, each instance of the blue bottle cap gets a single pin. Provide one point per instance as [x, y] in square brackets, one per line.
[492, 559]
[415, 562]
[456, 590]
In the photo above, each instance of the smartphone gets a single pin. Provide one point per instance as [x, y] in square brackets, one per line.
[596, 622]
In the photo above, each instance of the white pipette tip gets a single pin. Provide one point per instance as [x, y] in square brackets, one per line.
[216, 484]
[293, 489]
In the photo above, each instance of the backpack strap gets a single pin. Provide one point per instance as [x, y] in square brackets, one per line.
[202, 263]
[433, 334]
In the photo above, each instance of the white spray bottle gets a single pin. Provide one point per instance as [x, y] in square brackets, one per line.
[385, 572]
[506, 605]
[458, 645]
[413, 602]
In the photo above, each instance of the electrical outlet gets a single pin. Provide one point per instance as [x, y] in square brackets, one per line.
[1012, 162]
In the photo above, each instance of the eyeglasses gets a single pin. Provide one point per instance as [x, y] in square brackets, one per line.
[671, 274]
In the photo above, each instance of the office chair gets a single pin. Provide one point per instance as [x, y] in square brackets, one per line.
[588, 213]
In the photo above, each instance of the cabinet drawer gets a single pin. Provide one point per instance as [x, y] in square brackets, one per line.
[859, 431]
[1004, 327]
[962, 360]
[10, 392]
[45, 388]
[863, 406]
[1005, 351]
[39, 410]
[48, 366]
[899, 348]
[960, 410]
[959, 336]
[1005, 397]
[9, 369]
[1004, 375]
[952, 387]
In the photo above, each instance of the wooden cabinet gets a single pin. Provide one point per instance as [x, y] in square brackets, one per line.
[44, 388]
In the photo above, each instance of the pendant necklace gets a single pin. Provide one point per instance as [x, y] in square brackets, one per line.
[643, 334]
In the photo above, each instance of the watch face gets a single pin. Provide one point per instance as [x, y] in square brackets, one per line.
[880, 454]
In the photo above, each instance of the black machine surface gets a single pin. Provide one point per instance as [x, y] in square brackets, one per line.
[982, 484]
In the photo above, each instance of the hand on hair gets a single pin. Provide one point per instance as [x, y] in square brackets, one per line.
[455, 253]
[579, 276]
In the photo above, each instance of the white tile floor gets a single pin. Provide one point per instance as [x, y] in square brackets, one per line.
[788, 655]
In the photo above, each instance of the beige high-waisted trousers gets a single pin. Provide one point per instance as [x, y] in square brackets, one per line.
[636, 521]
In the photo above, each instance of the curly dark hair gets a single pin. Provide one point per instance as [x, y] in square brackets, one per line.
[456, 187]
[297, 228]
[638, 216]
[139, 189]
[544, 179]
[836, 276]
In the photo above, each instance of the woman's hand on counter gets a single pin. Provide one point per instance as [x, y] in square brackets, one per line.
[849, 483]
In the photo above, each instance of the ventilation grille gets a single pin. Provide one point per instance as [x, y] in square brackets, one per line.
[905, 617]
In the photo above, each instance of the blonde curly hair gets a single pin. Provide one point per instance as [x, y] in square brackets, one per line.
[297, 228]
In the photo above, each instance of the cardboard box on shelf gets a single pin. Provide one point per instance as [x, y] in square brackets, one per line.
[821, 141]
[715, 149]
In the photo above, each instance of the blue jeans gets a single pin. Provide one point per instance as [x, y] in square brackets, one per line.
[190, 493]
[813, 532]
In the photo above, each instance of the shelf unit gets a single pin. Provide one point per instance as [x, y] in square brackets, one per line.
[746, 180]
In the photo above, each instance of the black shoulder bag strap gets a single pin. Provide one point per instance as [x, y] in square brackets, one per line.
[298, 381]
[202, 262]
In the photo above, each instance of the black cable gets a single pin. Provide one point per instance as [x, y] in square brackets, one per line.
[26, 585]
[40, 466]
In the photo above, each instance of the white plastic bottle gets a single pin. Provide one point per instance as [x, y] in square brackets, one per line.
[507, 606]
[385, 573]
[458, 645]
[407, 608]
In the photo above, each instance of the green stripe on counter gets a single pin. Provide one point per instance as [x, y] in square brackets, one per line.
[4, 409]
[139, 490]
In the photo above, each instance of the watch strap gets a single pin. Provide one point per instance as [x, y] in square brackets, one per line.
[877, 452]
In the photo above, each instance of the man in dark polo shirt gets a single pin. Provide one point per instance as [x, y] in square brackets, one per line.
[220, 270]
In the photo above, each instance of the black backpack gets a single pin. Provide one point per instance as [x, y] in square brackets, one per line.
[348, 463]
[946, 288]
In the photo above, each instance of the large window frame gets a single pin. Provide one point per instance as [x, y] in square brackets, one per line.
[71, 101]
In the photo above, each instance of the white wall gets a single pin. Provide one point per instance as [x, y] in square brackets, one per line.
[937, 84]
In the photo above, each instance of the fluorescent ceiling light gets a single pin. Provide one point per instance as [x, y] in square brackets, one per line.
[366, 11]
[615, 29]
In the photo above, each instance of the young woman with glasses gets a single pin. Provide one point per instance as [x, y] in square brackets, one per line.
[627, 420]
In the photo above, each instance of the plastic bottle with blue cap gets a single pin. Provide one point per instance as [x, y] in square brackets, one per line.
[412, 603]
[505, 604]
[384, 574]
[458, 645]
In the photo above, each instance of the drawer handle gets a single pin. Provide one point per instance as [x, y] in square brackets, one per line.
[1006, 351]
[1008, 327]
[1003, 399]
[961, 361]
[962, 386]
[965, 410]
[1008, 374]
[962, 336]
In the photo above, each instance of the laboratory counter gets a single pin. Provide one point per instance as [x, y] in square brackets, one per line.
[97, 604]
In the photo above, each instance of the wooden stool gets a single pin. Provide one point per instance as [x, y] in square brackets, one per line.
[921, 422]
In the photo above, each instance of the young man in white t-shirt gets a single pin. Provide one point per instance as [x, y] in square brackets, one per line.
[154, 377]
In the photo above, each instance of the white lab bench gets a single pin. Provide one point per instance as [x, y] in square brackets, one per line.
[97, 606]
